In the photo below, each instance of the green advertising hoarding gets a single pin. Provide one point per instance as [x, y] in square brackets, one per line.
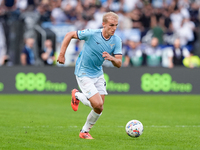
[61, 80]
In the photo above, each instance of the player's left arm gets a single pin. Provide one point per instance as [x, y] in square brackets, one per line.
[116, 60]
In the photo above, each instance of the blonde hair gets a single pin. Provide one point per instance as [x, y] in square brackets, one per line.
[107, 15]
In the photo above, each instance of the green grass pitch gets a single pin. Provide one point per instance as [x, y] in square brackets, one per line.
[39, 122]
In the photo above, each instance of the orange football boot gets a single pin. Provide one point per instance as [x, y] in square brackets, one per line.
[85, 135]
[75, 101]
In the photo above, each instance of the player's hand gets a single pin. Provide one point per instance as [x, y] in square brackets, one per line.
[61, 59]
[107, 56]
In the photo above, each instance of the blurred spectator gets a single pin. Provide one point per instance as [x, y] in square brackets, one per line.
[176, 18]
[123, 29]
[158, 13]
[27, 54]
[184, 3]
[184, 9]
[158, 29]
[194, 13]
[57, 14]
[125, 21]
[48, 53]
[157, 3]
[152, 53]
[165, 20]
[194, 17]
[115, 5]
[130, 5]
[133, 54]
[66, 3]
[3, 48]
[191, 62]
[91, 23]
[89, 10]
[146, 17]
[98, 16]
[186, 32]
[176, 54]
[135, 16]
[22, 5]
[80, 22]
[10, 5]
[44, 12]
[70, 13]
[31, 19]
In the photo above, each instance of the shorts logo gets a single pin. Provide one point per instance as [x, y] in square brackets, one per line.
[88, 92]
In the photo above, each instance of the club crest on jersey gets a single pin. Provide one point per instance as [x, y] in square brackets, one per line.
[82, 31]
[111, 45]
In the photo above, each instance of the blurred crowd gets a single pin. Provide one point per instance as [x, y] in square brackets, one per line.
[154, 32]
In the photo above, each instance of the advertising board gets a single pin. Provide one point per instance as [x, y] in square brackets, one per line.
[61, 80]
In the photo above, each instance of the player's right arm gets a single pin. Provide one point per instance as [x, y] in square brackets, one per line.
[65, 43]
[23, 59]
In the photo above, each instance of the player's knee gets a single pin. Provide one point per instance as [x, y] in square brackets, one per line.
[98, 106]
[98, 110]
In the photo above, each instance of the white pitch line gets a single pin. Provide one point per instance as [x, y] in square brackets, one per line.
[152, 126]
[177, 126]
[164, 126]
[186, 126]
[73, 126]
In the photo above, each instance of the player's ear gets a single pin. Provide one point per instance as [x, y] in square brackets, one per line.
[103, 24]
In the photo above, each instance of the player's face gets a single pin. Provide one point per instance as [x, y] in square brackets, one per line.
[110, 26]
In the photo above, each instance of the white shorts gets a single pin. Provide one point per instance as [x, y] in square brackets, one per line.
[91, 86]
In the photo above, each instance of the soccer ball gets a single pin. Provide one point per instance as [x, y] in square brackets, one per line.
[134, 128]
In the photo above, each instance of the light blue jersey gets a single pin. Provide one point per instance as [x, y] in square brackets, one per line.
[90, 60]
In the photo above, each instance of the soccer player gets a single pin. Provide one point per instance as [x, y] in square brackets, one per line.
[100, 45]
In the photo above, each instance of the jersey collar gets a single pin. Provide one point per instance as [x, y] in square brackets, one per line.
[103, 36]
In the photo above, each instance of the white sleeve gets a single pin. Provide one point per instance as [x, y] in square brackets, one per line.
[170, 52]
[186, 53]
